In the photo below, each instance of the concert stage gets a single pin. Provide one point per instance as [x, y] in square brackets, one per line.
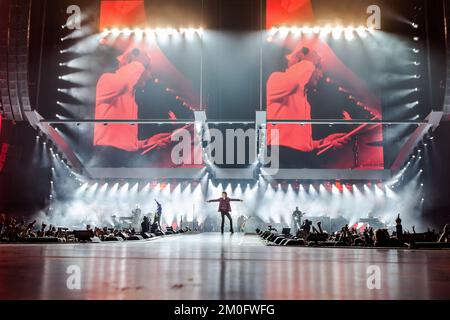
[211, 266]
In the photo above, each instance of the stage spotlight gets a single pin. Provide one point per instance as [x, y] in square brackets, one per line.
[415, 50]
[326, 30]
[273, 31]
[360, 29]
[337, 32]
[296, 30]
[307, 30]
[349, 33]
[138, 32]
[416, 76]
[416, 63]
[414, 25]
[186, 31]
[412, 104]
[115, 31]
[283, 31]
[416, 38]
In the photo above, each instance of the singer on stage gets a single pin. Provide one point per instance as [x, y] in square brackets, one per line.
[225, 209]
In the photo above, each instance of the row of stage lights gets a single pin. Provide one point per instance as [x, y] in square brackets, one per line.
[152, 31]
[416, 51]
[336, 31]
[330, 186]
[414, 161]
[322, 29]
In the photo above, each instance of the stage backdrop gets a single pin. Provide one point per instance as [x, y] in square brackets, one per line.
[115, 71]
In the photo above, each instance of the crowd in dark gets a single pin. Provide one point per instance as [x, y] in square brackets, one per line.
[347, 236]
[14, 229]
[18, 230]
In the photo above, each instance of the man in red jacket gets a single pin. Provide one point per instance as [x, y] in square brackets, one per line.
[225, 209]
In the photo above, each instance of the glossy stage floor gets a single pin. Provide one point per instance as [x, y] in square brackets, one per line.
[211, 266]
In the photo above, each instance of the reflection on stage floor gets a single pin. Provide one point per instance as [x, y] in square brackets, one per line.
[212, 266]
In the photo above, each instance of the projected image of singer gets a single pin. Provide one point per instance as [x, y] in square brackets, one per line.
[287, 99]
[117, 143]
[225, 209]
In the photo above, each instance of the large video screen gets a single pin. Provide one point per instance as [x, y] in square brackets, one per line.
[312, 73]
[313, 62]
[127, 71]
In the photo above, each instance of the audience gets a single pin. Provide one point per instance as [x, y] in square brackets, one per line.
[368, 237]
[17, 230]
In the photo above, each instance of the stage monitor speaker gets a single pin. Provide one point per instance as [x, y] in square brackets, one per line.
[286, 231]
[295, 243]
[123, 235]
[315, 237]
[83, 235]
[113, 238]
[146, 235]
[135, 237]
[41, 240]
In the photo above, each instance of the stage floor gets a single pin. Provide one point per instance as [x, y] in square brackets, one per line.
[211, 266]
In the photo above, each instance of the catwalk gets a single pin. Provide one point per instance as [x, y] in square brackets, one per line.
[211, 266]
